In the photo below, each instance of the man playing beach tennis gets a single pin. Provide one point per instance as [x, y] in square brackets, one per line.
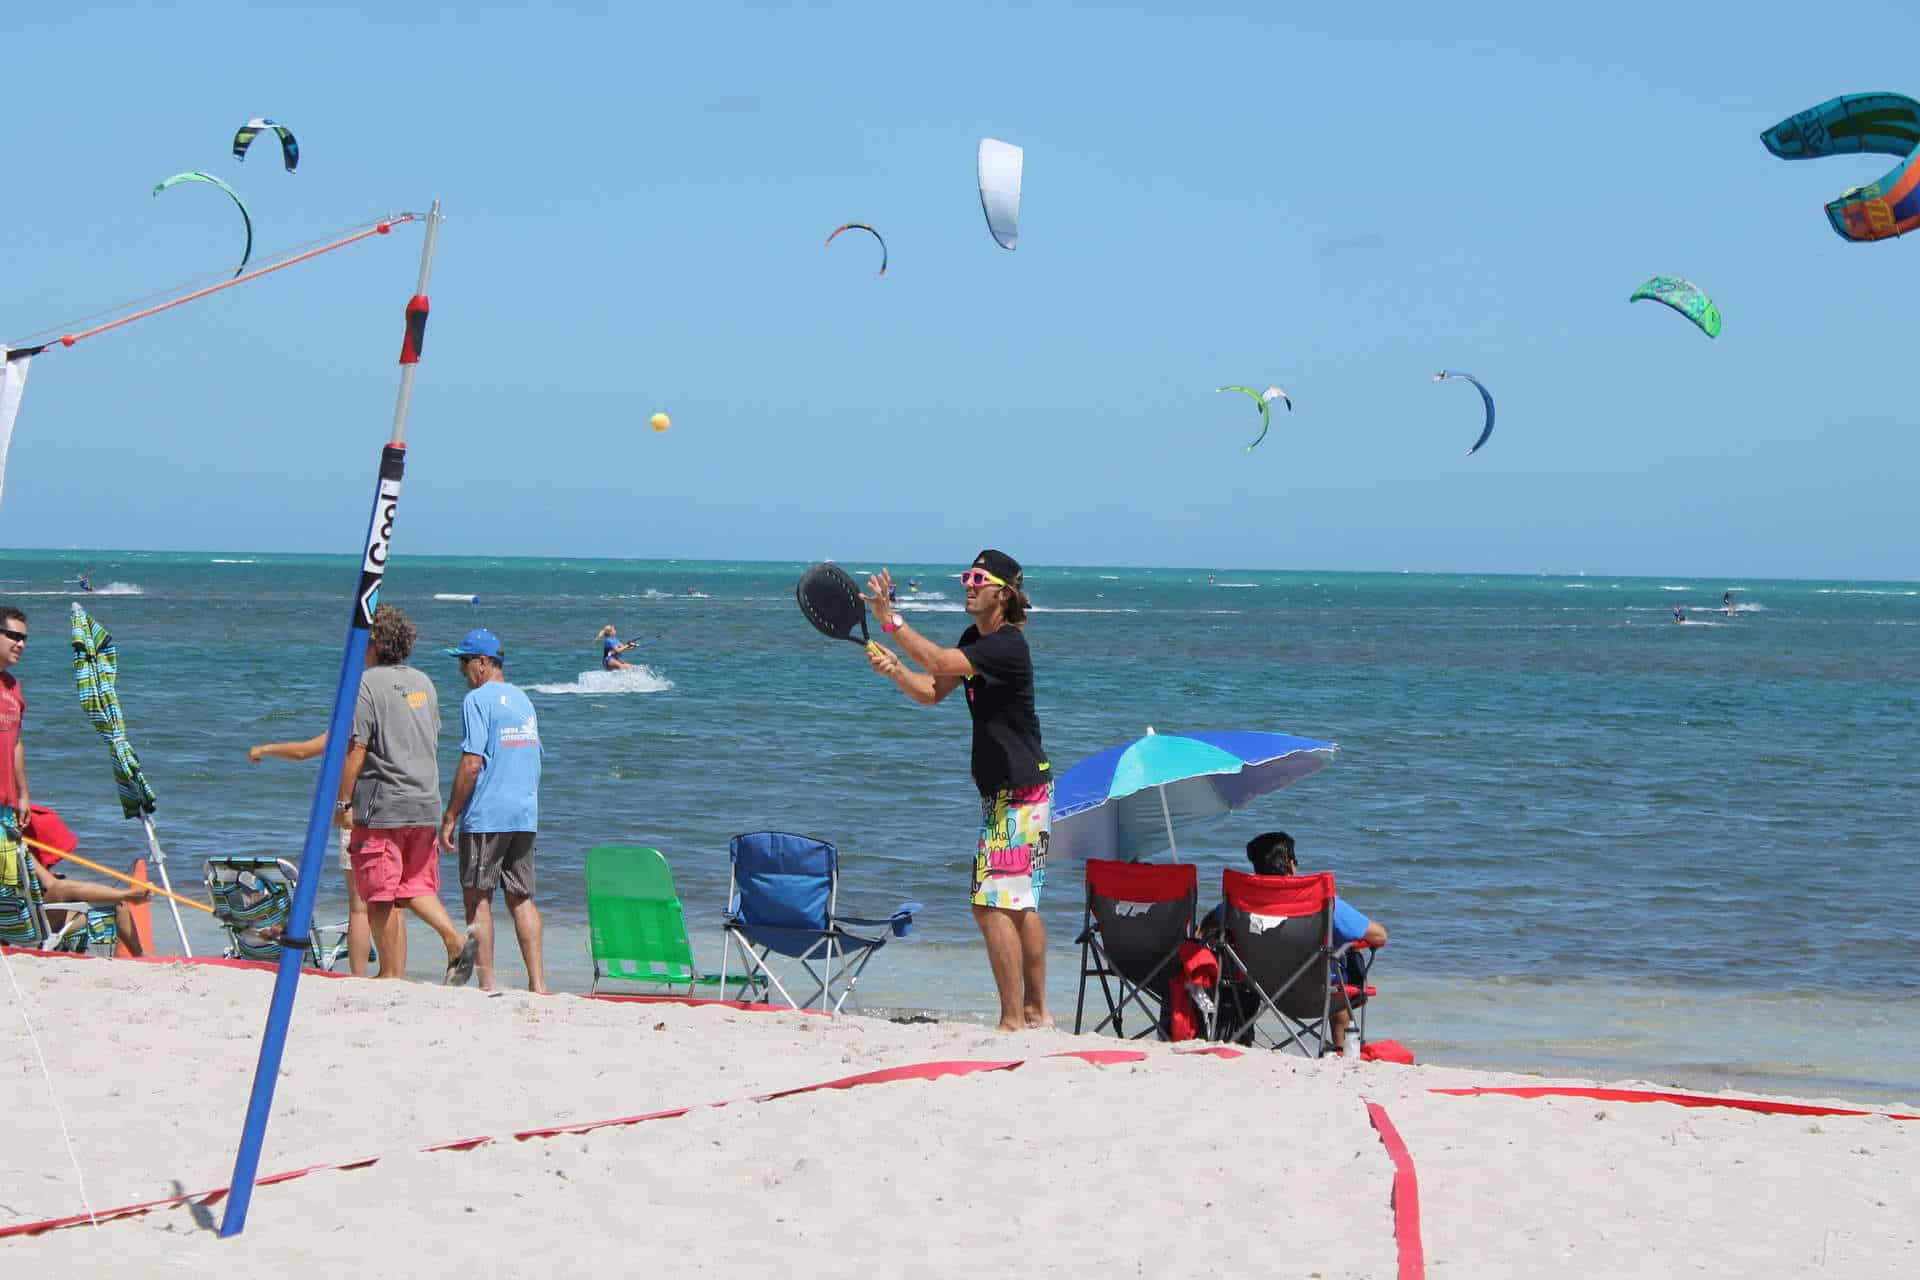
[1010, 766]
[390, 799]
[495, 805]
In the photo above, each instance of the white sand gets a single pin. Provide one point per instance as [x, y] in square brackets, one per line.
[1265, 1164]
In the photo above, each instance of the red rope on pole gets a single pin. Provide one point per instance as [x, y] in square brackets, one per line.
[380, 228]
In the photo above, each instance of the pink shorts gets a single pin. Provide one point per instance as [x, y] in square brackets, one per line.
[392, 864]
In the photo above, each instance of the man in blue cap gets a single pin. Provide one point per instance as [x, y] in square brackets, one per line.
[495, 806]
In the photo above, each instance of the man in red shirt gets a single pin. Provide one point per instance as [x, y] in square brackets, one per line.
[13, 708]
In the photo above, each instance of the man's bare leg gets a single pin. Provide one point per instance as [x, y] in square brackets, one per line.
[479, 904]
[526, 927]
[389, 930]
[1002, 937]
[433, 914]
[129, 931]
[359, 930]
[1033, 969]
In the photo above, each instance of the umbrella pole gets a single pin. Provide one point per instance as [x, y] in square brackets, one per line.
[1167, 817]
[159, 861]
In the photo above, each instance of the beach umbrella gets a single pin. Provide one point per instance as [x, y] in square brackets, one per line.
[96, 672]
[1126, 801]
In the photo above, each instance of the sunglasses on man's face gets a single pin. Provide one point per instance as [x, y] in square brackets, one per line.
[18, 637]
[980, 578]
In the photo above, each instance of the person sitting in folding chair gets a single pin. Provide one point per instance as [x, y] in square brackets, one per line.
[108, 908]
[1271, 853]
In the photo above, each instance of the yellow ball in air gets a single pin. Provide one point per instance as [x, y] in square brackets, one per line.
[659, 422]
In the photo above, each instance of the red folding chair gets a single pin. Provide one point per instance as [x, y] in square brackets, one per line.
[1278, 959]
[1138, 915]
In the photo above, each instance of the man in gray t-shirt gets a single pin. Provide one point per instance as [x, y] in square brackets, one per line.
[392, 775]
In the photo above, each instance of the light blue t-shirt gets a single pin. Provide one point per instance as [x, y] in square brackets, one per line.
[1348, 924]
[499, 726]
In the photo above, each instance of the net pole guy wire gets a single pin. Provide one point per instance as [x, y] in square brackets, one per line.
[382, 227]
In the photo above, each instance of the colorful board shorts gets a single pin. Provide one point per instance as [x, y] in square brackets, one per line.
[1011, 865]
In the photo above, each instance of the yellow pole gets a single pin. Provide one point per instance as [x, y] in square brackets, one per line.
[117, 875]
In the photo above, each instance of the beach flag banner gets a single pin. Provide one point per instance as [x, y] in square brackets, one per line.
[13, 384]
[366, 597]
[96, 674]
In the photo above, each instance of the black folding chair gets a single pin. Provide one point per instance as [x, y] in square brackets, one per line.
[1277, 958]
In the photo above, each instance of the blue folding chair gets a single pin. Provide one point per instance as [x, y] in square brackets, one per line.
[782, 900]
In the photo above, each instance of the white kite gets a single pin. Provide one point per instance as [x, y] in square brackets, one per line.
[1000, 165]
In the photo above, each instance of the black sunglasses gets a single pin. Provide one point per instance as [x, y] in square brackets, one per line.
[11, 634]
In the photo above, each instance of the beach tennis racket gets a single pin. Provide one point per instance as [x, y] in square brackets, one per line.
[831, 600]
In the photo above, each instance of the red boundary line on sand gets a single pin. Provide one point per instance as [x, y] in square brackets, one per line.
[1405, 1200]
[267, 966]
[1761, 1105]
[885, 1075]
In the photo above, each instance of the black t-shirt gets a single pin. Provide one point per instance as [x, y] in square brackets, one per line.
[1006, 732]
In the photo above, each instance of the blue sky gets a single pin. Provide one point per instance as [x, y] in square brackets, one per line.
[1340, 200]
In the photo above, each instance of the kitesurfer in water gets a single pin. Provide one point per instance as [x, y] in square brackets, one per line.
[1726, 602]
[611, 647]
[1679, 614]
[86, 578]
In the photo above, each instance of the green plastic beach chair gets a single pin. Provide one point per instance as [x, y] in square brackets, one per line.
[636, 928]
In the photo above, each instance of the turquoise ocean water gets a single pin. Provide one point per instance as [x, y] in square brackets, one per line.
[1604, 843]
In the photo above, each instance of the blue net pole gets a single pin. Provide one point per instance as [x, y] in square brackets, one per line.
[293, 944]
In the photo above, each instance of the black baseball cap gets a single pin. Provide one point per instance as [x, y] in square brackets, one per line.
[999, 564]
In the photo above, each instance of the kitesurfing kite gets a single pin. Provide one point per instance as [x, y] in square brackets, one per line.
[289, 148]
[1486, 430]
[1000, 166]
[246, 219]
[1881, 123]
[1265, 400]
[861, 226]
[1685, 298]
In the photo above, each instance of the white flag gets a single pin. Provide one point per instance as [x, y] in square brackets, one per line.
[13, 382]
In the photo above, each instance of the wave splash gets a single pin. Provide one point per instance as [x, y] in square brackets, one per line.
[632, 680]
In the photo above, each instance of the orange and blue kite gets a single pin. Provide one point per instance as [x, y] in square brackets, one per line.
[1880, 123]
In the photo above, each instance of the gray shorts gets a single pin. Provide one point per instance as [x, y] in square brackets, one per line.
[497, 858]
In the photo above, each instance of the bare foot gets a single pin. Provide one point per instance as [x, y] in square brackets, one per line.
[1041, 1021]
[1004, 1025]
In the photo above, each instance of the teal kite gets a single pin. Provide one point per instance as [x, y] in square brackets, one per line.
[246, 219]
[1264, 399]
[1685, 298]
[1878, 123]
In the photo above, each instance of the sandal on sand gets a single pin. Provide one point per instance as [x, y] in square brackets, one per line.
[460, 968]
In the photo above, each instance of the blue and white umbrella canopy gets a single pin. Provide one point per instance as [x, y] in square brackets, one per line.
[1126, 801]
